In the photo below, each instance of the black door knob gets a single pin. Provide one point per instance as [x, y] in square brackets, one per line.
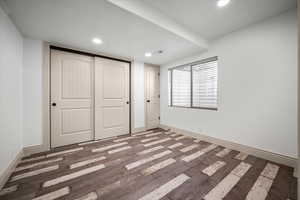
[127, 102]
[53, 104]
[148, 101]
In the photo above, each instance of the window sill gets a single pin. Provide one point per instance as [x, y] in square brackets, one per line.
[200, 108]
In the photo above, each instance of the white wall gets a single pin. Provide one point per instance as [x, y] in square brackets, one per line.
[32, 92]
[139, 94]
[257, 88]
[11, 48]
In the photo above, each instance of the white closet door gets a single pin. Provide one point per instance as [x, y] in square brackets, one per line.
[111, 98]
[71, 98]
[152, 90]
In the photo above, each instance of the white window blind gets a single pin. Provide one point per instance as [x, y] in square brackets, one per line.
[194, 85]
[181, 86]
[205, 85]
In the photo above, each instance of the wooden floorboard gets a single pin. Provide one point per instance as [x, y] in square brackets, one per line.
[85, 174]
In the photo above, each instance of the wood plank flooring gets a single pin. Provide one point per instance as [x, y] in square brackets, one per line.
[150, 165]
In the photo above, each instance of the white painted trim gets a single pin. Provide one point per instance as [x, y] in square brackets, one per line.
[27, 151]
[132, 129]
[277, 158]
[298, 113]
[45, 146]
[136, 130]
[10, 169]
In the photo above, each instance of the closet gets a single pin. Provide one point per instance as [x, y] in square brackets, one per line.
[90, 97]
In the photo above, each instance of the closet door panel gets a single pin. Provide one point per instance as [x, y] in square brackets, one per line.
[111, 98]
[71, 98]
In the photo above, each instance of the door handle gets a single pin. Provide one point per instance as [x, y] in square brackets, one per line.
[53, 104]
[148, 101]
[127, 102]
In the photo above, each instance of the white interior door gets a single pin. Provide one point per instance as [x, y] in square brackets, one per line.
[152, 90]
[71, 98]
[111, 98]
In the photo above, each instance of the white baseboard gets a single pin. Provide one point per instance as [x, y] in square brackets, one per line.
[41, 148]
[274, 157]
[27, 151]
[10, 169]
[136, 130]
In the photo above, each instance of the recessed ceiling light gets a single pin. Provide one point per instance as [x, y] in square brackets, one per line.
[148, 54]
[97, 41]
[222, 3]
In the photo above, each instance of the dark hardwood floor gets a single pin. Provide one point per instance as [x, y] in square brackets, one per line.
[149, 166]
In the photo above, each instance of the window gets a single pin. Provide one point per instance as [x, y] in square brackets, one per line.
[194, 85]
[181, 85]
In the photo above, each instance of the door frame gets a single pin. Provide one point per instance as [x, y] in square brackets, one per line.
[46, 94]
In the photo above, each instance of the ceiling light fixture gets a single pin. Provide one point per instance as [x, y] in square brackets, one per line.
[97, 41]
[222, 3]
[148, 54]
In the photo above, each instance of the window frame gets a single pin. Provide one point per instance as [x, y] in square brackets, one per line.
[170, 70]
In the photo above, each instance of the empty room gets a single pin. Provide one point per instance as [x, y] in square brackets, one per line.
[149, 100]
